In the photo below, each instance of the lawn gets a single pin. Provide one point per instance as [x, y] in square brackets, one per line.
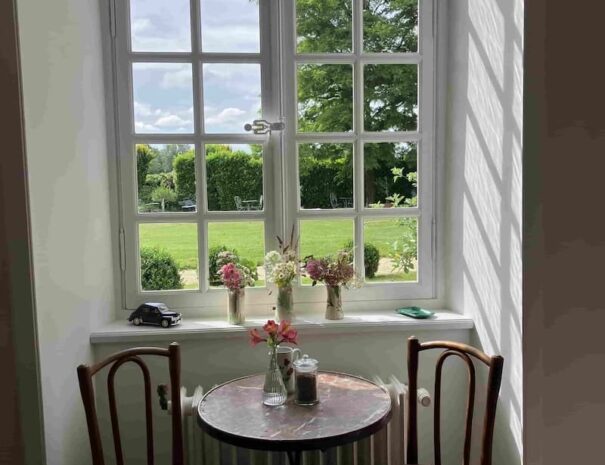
[318, 237]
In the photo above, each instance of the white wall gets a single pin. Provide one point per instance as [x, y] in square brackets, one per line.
[483, 170]
[68, 179]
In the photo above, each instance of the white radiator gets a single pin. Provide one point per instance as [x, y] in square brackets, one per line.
[386, 447]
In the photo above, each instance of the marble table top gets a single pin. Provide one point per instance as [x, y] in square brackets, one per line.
[349, 409]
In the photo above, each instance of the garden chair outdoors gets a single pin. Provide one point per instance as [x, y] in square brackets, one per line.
[187, 205]
[259, 205]
[238, 203]
[333, 200]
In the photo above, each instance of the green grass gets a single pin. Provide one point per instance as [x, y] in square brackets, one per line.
[179, 239]
[318, 237]
[248, 238]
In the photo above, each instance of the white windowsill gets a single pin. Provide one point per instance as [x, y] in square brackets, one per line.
[194, 328]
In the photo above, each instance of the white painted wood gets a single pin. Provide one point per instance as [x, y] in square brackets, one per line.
[278, 60]
[193, 328]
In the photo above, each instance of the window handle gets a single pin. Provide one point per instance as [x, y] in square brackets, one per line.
[262, 126]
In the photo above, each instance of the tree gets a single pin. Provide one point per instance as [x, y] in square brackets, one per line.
[163, 194]
[145, 156]
[165, 157]
[325, 92]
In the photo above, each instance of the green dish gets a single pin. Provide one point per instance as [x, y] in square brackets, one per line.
[415, 312]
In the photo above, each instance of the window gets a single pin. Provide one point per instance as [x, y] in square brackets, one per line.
[352, 166]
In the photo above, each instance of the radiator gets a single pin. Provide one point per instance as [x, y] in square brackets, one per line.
[385, 447]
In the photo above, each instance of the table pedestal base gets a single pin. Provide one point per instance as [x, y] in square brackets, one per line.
[294, 458]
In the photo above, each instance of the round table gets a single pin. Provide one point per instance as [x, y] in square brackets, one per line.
[350, 408]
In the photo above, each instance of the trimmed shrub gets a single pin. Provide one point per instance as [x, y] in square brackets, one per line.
[213, 276]
[184, 175]
[321, 177]
[159, 271]
[213, 268]
[371, 257]
[232, 174]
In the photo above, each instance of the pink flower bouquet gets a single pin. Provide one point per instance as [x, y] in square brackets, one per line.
[274, 334]
[235, 276]
[332, 270]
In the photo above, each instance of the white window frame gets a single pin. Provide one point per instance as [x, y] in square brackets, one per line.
[280, 182]
[423, 137]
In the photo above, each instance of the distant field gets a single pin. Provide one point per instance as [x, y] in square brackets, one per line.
[318, 237]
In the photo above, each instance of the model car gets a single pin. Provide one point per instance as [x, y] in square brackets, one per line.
[154, 314]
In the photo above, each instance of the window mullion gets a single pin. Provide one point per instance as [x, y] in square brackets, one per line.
[358, 129]
[198, 115]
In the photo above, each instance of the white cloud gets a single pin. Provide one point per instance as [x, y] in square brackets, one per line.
[228, 115]
[171, 121]
[143, 110]
[149, 119]
[141, 127]
[180, 78]
[140, 25]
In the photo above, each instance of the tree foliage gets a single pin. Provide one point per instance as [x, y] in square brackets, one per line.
[232, 174]
[325, 92]
[184, 175]
[145, 155]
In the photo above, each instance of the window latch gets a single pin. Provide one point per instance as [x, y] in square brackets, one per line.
[262, 126]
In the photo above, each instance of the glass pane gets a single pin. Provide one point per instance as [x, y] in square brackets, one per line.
[163, 99]
[326, 175]
[234, 177]
[230, 26]
[391, 97]
[232, 96]
[325, 98]
[324, 237]
[390, 26]
[166, 178]
[391, 175]
[241, 242]
[160, 26]
[324, 26]
[393, 241]
[168, 256]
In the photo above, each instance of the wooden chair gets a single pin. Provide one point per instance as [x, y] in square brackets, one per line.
[465, 352]
[85, 377]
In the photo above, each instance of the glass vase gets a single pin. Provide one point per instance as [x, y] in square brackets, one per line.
[334, 303]
[274, 389]
[285, 304]
[237, 302]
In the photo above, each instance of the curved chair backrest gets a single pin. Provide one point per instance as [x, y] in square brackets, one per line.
[465, 352]
[85, 377]
[333, 200]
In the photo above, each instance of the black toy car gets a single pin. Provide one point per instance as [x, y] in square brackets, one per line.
[154, 314]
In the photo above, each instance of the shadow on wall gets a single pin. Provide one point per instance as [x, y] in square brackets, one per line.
[484, 192]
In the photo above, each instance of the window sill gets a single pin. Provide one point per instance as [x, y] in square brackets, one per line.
[194, 328]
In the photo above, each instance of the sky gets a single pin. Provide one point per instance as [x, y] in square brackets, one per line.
[163, 96]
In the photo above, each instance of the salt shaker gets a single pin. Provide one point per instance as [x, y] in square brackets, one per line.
[306, 380]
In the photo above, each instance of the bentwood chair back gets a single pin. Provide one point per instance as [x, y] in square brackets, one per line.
[464, 352]
[85, 377]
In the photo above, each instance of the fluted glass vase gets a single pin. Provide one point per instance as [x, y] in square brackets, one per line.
[334, 303]
[274, 389]
[285, 304]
